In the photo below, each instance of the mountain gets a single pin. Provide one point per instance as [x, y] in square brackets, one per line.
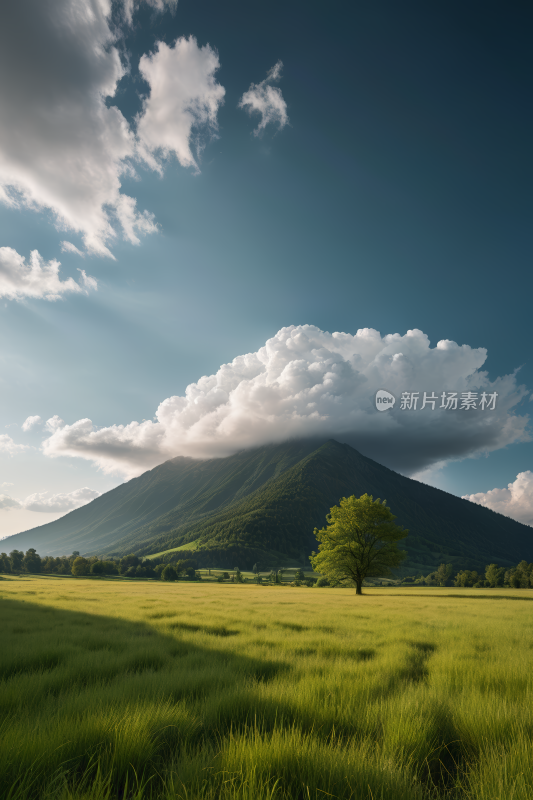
[263, 504]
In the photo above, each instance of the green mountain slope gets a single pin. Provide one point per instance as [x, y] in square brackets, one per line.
[281, 516]
[181, 490]
[263, 505]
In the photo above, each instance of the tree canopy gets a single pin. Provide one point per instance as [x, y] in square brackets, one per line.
[360, 541]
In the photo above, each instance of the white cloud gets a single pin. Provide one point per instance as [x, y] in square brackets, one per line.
[6, 485]
[38, 279]
[62, 147]
[266, 100]
[516, 501]
[59, 502]
[160, 5]
[184, 99]
[56, 504]
[309, 383]
[68, 247]
[7, 503]
[7, 445]
[54, 423]
[30, 422]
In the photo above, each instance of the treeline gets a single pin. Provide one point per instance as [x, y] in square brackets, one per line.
[173, 566]
[519, 577]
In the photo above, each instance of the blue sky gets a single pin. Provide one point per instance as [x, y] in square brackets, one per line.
[390, 189]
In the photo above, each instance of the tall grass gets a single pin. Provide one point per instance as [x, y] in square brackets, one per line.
[152, 690]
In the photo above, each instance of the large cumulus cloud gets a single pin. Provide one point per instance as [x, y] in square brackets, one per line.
[515, 501]
[306, 382]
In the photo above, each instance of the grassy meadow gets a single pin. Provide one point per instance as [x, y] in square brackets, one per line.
[138, 689]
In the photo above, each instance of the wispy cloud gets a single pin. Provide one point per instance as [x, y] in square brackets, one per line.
[30, 422]
[38, 279]
[266, 100]
[54, 504]
[7, 445]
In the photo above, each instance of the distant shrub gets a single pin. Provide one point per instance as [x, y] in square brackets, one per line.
[322, 582]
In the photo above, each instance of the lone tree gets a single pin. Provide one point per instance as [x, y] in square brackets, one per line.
[360, 541]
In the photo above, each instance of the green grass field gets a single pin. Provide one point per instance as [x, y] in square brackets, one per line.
[130, 689]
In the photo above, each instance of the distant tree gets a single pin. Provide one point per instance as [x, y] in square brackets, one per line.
[299, 576]
[238, 576]
[5, 564]
[80, 566]
[184, 566]
[169, 573]
[255, 568]
[16, 557]
[360, 541]
[75, 553]
[494, 575]
[323, 581]
[225, 576]
[98, 568]
[467, 578]
[443, 574]
[523, 573]
[128, 561]
[32, 561]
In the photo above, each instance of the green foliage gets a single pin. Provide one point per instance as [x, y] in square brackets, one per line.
[360, 541]
[16, 557]
[5, 563]
[31, 562]
[322, 581]
[81, 566]
[299, 575]
[127, 562]
[494, 575]
[169, 573]
[444, 574]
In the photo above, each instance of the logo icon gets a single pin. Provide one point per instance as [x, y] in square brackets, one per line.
[384, 400]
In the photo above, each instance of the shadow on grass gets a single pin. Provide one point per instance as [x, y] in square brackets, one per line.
[80, 690]
[463, 596]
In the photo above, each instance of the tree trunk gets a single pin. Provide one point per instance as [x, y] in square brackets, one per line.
[358, 585]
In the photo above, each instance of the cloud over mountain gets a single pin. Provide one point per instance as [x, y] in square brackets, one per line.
[515, 501]
[306, 382]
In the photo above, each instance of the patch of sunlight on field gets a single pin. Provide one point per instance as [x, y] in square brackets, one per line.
[189, 690]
